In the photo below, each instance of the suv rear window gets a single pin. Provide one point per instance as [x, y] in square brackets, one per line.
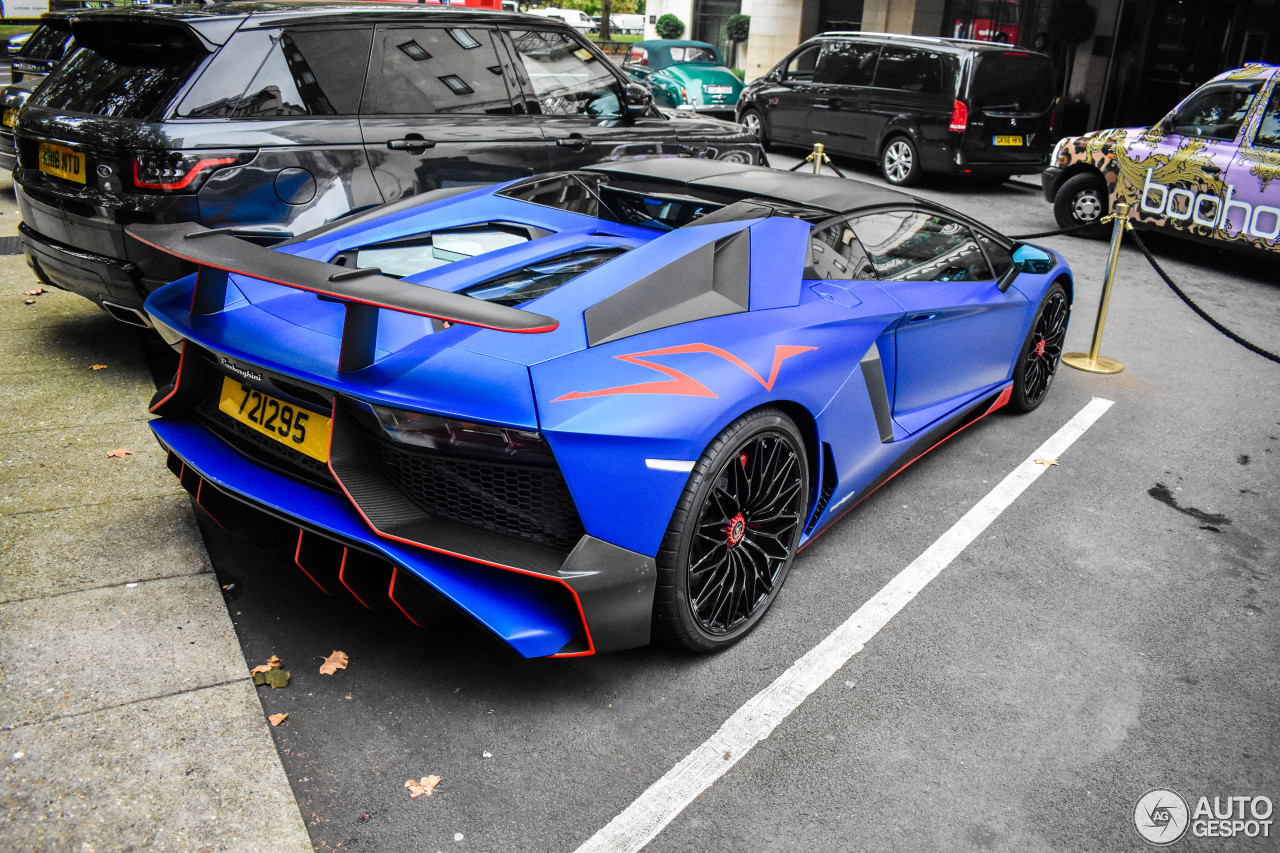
[122, 72]
[1012, 83]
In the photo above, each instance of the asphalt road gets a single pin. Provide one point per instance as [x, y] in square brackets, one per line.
[1112, 632]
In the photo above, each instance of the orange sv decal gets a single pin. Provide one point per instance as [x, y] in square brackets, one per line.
[682, 384]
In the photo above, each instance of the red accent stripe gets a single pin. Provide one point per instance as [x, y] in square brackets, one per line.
[999, 403]
[297, 561]
[342, 568]
[577, 602]
[199, 491]
[177, 379]
[391, 594]
[343, 298]
[186, 179]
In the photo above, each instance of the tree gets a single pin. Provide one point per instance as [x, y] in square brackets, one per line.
[669, 26]
[737, 29]
[606, 10]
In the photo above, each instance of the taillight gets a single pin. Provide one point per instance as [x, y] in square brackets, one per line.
[684, 96]
[959, 116]
[179, 171]
[449, 435]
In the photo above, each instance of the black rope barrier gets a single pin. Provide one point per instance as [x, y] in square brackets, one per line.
[1068, 230]
[1270, 356]
[833, 166]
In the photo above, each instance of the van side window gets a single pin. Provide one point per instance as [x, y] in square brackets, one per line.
[1218, 111]
[836, 253]
[847, 63]
[801, 65]
[908, 245]
[1269, 129]
[909, 70]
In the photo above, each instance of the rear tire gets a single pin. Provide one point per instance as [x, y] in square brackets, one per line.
[1042, 350]
[900, 162]
[1082, 200]
[733, 534]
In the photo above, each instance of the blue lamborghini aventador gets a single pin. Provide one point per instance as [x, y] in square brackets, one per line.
[589, 408]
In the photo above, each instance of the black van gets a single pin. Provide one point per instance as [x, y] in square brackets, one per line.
[913, 104]
[276, 118]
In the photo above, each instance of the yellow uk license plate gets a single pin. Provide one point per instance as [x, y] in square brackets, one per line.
[7, 118]
[304, 431]
[61, 162]
[1008, 140]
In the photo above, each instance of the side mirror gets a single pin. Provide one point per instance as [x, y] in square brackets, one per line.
[1026, 259]
[1165, 127]
[639, 101]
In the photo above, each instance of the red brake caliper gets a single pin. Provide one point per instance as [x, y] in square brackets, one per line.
[1040, 347]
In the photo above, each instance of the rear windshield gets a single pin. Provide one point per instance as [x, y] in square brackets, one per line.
[45, 43]
[1012, 83]
[121, 74]
[528, 283]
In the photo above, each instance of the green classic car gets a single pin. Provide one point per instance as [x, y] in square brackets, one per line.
[685, 75]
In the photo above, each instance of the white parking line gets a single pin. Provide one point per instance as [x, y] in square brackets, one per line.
[641, 821]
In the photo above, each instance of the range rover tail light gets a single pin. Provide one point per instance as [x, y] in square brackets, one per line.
[181, 171]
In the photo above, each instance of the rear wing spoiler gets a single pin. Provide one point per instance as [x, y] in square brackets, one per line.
[363, 291]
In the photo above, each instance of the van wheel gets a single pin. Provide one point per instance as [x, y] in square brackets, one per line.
[753, 121]
[1082, 200]
[900, 163]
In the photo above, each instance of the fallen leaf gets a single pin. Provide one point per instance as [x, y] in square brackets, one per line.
[273, 662]
[1045, 462]
[35, 291]
[97, 367]
[277, 719]
[333, 663]
[486, 754]
[30, 301]
[426, 786]
[119, 453]
[274, 677]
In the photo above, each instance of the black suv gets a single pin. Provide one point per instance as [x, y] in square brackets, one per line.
[913, 104]
[276, 118]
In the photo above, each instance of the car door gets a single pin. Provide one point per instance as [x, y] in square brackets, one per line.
[1247, 182]
[959, 332]
[438, 111]
[788, 108]
[1169, 167]
[840, 117]
[907, 95]
[576, 97]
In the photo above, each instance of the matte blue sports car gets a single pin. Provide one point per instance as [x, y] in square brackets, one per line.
[589, 408]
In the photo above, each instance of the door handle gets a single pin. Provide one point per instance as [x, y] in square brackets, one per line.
[412, 142]
[573, 140]
[920, 318]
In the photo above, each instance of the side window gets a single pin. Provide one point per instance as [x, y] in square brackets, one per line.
[1216, 112]
[836, 253]
[264, 73]
[437, 70]
[636, 56]
[909, 70]
[847, 63]
[801, 66]
[565, 77]
[1269, 129]
[909, 245]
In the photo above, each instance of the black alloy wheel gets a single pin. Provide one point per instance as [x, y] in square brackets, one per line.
[733, 534]
[752, 120]
[1042, 351]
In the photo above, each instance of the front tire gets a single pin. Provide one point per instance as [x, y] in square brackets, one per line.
[753, 120]
[900, 162]
[733, 535]
[1042, 351]
[1082, 200]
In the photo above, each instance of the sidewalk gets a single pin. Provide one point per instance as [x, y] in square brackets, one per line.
[127, 717]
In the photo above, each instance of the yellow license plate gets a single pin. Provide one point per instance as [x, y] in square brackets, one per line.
[7, 118]
[1008, 140]
[61, 162]
[304, 431]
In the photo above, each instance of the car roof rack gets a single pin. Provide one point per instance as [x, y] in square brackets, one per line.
[944, 40]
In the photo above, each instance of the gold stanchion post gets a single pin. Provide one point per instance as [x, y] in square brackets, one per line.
[1093, 361]
[818, 157]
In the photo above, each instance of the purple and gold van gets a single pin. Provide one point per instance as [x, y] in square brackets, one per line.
[1210, 170]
